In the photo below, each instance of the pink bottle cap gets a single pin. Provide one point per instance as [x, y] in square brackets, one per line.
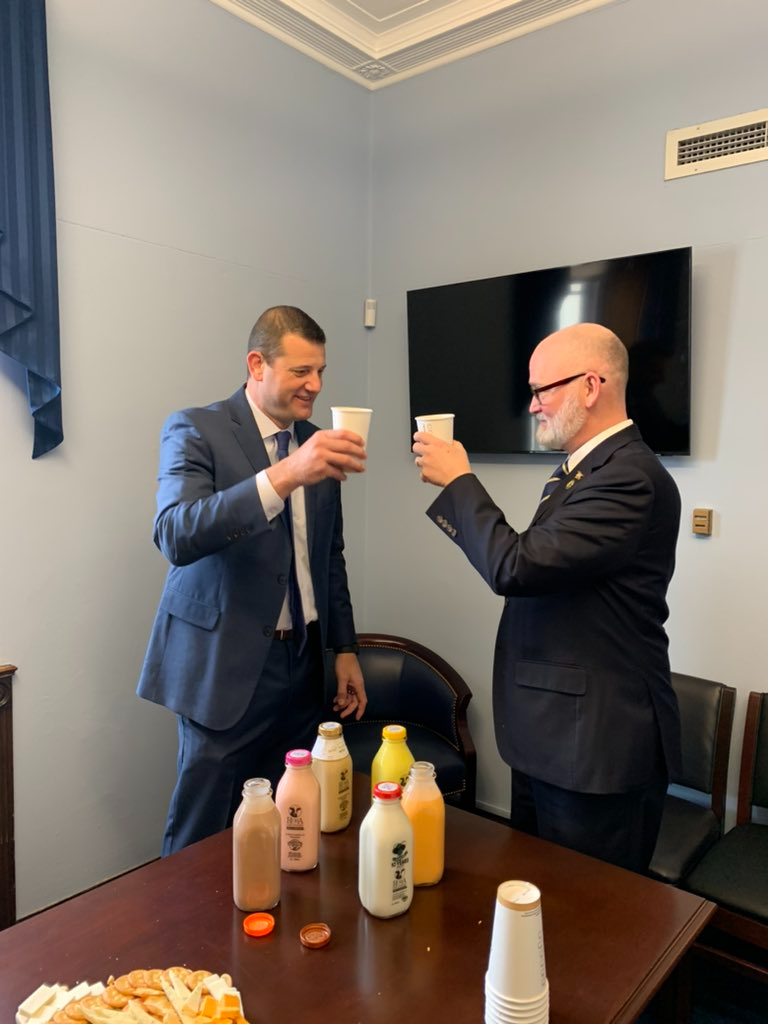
[298, 757]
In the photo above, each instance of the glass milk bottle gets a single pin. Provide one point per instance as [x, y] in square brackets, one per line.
[423, 803]
[298, 801]
[385, 869]
[393, 760]
[332, 766]
[256, 849]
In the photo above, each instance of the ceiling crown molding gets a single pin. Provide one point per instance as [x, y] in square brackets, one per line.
[379, 42]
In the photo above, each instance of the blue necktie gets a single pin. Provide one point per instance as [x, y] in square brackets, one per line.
[553, 481]
[294, 594]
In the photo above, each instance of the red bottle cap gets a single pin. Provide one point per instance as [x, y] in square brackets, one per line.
[387, 790]
[258, 924]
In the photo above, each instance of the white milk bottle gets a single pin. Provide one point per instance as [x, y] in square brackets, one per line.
[298, 801]
[385, 873]
[332, 765]
[256, 849]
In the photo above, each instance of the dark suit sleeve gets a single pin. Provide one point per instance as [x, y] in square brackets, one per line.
[196, 515]
[341, 623]
[598, 528]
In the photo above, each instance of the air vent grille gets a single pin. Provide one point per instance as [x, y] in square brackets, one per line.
[715, 145]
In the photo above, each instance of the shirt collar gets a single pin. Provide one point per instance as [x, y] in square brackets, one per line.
[575, 457]
[266, 426]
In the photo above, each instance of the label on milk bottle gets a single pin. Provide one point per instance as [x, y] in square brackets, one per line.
[399, 881]
[294, 832]
[344, 793]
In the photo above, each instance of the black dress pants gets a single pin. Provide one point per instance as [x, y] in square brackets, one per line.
[212, 764]
[620, 828]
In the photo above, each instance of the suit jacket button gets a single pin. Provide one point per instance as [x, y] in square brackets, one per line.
[267, 631]
[282, 580]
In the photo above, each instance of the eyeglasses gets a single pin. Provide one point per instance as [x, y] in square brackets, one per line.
[538, 392]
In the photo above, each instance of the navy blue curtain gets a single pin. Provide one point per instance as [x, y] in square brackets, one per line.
[29, 299]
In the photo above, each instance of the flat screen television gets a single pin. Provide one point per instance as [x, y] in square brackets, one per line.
[469, 345]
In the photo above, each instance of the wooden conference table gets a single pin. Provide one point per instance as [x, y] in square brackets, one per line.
[611, 937]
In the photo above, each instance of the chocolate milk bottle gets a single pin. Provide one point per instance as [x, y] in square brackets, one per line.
[298, 802]
[256, 849]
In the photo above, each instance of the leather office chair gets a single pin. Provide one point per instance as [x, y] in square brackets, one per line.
[410, 685]
[734, 873]
[692, 822]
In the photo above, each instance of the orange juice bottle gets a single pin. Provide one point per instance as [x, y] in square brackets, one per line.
[423, 803]
[393, 760]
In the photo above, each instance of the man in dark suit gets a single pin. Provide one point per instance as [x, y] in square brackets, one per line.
[237, 645]
[584, 710]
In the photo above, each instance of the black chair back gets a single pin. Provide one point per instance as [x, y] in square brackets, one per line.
[693, 822]
[409, 684]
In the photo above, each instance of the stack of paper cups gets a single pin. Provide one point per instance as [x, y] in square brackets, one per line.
[516, 986]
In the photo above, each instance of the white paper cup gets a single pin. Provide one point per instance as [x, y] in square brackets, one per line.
[502, 1011]
[516, 968]
[348, 417]
[439, 423]
[508, 1004]
[493, 1016]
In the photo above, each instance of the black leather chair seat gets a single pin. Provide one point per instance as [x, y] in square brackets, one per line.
[687, 832]
[735, 872]
[363, 737]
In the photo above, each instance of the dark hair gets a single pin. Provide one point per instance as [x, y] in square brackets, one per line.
[274, 323]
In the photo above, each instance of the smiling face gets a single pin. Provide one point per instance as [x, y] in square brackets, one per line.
[560, 411]
[578, 375]
[285, 389]
[560, 419]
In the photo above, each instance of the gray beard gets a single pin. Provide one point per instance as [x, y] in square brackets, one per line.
[556, 432]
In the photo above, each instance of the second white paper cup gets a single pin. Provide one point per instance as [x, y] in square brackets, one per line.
[439, 423]
[348, 417]
[516, 967]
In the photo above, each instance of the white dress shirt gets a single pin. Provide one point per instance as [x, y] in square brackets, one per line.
[273, 505]
[581, 453]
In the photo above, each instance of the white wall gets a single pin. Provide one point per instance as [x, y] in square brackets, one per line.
[545, 151]
[203, 172]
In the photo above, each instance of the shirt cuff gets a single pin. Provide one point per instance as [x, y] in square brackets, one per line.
[271, 501]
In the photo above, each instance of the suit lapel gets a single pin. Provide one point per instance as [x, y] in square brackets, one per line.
[246, 431]
[596, 458]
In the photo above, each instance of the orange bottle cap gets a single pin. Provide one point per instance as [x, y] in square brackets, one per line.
[258, 924]
[315, 935]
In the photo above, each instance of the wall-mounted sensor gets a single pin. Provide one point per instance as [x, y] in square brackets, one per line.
[369, 313]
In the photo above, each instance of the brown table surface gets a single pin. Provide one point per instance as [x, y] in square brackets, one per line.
[611, 937]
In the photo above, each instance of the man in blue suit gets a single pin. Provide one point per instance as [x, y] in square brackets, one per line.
[584, 710]
[245, 680]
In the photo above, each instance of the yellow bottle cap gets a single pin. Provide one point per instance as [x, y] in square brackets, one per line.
[394, 732]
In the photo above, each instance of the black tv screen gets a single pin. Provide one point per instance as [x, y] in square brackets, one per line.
[469, 345]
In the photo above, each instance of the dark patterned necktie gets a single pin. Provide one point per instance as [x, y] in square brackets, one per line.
[553, 481]
[294, 594]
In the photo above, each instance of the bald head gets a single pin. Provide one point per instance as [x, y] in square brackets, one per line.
[575, 412]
